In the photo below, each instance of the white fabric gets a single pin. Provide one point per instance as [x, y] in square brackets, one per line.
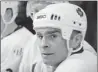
[12, 48]
[30, 56]
[84, 62]
[89, 48]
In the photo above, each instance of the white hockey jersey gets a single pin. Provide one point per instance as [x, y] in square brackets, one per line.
[12, 48]
[83, 62]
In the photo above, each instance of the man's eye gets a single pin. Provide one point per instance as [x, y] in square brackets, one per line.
[53, 36]
[40, 37]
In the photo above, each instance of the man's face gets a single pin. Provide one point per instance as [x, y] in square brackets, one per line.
[52, 45]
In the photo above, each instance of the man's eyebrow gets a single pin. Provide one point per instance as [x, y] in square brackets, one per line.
[51, 32]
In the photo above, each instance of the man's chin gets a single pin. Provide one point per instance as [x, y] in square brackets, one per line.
[47, 62]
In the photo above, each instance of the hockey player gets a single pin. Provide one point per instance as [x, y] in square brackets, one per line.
[60, 29]
[13, 45]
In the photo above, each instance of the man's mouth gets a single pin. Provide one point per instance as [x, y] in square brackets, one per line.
[47, 53]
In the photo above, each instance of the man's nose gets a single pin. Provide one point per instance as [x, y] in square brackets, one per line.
[45, 43]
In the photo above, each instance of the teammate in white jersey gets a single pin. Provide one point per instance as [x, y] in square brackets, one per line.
[60, 30]
[13, 45]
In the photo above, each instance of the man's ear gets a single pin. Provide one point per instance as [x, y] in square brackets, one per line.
[78, 38]
[76, 41]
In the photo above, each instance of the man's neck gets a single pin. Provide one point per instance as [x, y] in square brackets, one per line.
[50, 68]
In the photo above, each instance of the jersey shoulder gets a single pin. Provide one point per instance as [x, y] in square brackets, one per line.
[84, 62]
